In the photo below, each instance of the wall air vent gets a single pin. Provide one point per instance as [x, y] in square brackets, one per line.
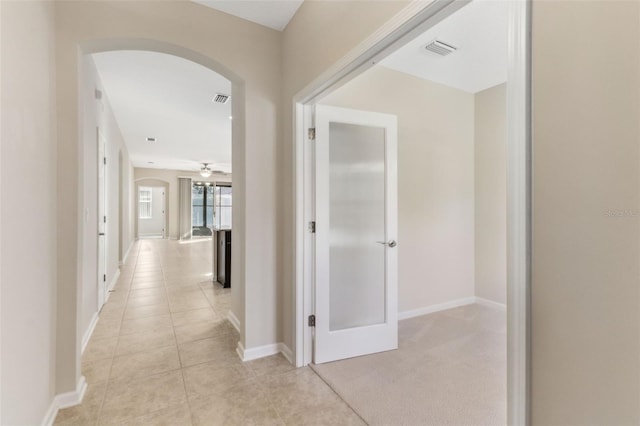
[441, 48]
[221, 98]
[151, 139]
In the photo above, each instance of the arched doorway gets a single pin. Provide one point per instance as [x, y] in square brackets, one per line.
[71, 332]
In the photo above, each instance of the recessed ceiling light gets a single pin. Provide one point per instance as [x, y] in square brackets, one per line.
[231, 117]
[150, 139]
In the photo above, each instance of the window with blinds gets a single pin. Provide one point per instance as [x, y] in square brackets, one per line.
[144, 202]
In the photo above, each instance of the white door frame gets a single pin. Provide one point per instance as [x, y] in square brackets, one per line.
[158, 183]
[413, 20]
[164, 207]
[103, 286]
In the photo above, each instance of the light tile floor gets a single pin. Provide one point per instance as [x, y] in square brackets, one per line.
[163, 353]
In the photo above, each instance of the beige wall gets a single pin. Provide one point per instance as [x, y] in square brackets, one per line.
[98, 114]
[144, 176]
[28, 214]
[490, 181]
[435, 181]
[585, 291]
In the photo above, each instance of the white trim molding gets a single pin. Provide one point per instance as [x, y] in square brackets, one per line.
[89, 331]
[73, 398]
[491, 304]
[233, 319]
[264, 351]
[65, 400]
[112, 283]
[259, 351]
[240, 350]
[126, 254]
[287, 353]
[50, 416]
[519, 196]
[436, 308]
[450, 305]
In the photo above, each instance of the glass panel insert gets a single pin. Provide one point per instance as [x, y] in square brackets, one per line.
[357, 289]
[144, 202]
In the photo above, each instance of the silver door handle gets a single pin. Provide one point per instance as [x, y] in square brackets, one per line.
[390, 243]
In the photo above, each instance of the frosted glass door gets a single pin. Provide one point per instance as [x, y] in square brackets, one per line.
[356, 222]
[356, 227]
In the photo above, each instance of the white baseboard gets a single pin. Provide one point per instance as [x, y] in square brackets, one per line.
[126, 254]
[89, 331]
[113, 282]
[491, 304]
[436, 308]
[287, 353]
[259, 351]
[240, 350]
[233, 319]
[70, 399]
[264, 351]
[65, 400]
[449, 305]
[50, 416]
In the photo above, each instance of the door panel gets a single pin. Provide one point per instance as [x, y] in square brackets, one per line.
[102, 252]
[356, 214]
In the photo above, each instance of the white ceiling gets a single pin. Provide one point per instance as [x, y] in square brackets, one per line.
[479, 31]
[274, 14]
[169, 98]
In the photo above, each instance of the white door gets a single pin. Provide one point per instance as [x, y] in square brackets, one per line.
[356, 300]
[102, 219]
[151, 208]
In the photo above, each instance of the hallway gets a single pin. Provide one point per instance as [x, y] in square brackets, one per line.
[163, 353]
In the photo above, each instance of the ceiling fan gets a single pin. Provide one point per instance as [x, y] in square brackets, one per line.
[206, 171]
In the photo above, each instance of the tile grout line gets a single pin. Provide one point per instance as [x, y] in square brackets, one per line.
[108, 381]
[271, 404]
[181, 366]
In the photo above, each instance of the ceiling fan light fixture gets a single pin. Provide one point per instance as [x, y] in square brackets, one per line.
[205, 170]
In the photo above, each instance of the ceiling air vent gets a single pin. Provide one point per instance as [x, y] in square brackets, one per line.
[150, 139]
[440, 47]
[221, 98]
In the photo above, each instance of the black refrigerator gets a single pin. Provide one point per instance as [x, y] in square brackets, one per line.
[224, 258]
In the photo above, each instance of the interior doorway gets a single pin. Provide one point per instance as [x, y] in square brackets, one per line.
[517, 101]
[151, 212]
